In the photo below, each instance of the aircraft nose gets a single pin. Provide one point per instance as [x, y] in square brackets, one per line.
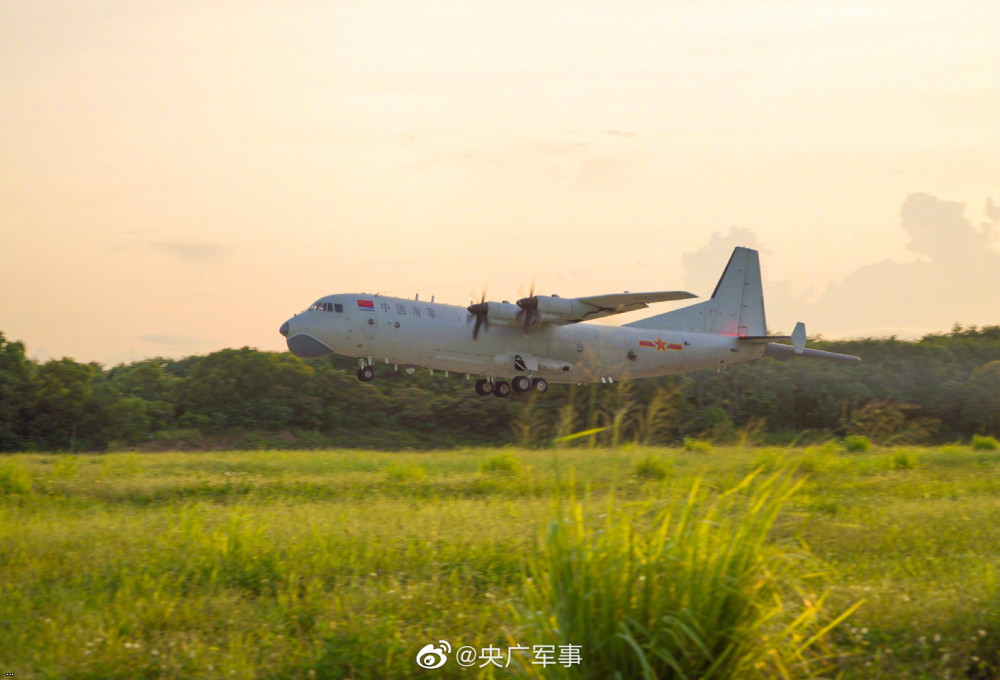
[284, 329]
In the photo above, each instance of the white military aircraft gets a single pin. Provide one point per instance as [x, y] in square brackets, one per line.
[540, 338]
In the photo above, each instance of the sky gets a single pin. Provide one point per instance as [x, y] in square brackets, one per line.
[176, 178]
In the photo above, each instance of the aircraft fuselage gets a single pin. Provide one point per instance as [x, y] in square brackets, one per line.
[404, 332]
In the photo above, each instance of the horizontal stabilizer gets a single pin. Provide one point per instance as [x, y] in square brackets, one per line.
[776, 351]
[764, 338]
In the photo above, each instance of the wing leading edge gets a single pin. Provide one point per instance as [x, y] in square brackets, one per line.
[619, 303]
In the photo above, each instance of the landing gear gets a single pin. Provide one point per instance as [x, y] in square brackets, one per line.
[366, 373]
[521, 383]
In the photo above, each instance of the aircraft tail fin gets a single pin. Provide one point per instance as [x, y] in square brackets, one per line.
[735, 308]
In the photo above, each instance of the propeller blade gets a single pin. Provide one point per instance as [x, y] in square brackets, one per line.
[480, 312]
[529, 309]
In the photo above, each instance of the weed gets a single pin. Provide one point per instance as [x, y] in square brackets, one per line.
[652, 467]
[698, 592]
[14, 478]
[903, 459]
[982, 443]
[857, 443]
[696, 445]
[404, 472]
[504, 464]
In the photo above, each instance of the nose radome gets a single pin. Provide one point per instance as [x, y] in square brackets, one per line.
[284, 329]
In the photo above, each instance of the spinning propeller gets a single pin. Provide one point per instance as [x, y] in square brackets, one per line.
[480, 312]
[529, 310]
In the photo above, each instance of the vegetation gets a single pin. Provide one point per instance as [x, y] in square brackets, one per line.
[943, 388]
[698, 591]
[856, 443]
[336, 564]
[984, 442]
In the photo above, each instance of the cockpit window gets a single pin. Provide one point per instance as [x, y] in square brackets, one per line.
[325, 307]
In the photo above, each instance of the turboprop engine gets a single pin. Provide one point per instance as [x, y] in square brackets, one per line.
[539, 308]
[502, 312]
[527, 362]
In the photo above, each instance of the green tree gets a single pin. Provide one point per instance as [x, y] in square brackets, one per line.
[16, 393]
[64, 393]
[982, 403]
[245, 388]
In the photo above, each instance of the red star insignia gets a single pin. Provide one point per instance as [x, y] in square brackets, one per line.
[660, 345]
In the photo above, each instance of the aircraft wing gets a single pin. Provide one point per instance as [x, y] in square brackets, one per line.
[635, 300]
[598, 306]
[619, 303]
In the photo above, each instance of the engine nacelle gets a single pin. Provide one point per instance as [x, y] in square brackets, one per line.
[554, 307]
[502, 313]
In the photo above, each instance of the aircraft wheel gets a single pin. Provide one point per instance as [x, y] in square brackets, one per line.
[540, 384]
[521, 383]
[501, 389]
[366, 373]
[483, 387]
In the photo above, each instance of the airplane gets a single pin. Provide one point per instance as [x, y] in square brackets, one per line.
[544, 339]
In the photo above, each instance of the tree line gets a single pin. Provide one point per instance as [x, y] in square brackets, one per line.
[943, 387]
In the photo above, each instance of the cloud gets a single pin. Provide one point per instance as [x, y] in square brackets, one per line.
[618, 133]
[193, 251]
[992, 213]
[703, 267]
[953, 283]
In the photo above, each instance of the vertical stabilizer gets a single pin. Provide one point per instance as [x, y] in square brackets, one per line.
[735, 308]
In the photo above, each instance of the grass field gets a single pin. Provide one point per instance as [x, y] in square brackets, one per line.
[343, 564]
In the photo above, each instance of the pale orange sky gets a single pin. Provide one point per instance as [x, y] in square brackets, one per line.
[180, 177]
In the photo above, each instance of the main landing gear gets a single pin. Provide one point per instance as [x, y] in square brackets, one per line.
[366, 372]
[500, 388]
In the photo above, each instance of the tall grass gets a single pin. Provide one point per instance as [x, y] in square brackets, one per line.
[695, 591]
